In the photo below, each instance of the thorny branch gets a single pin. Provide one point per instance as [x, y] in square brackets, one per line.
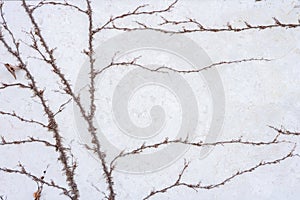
[23, 119]
[68, 160]
[65, 4]
[29, 140]
[229, 27]
[137, 11]
[92, 129]
[186, 141]
[283, 131]
[52, 126]
[23, 171]
[88, 116]
[199, 185]
[165, 69]
[7, 85]
[211, 65]
[201, 28]
[198, 26]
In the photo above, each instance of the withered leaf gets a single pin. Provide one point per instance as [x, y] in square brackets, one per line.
[12, 69]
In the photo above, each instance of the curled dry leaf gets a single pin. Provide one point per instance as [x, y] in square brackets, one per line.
[12, 69]
[37, 194]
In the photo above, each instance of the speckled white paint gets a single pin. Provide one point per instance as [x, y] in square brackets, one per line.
[257, 94]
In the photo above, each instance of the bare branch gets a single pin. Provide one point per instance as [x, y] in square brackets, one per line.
[91, 128]
[212, 65]
[7, 85]
[285, 132]
[4, 142]
[199, 27]
[13, 114]
[126, 64]
[52, 126]
[64, 4]
[197, 186]
[5, 26]
[135, 12]
[62, 107]
[145, 147]
[162, 69]
[41, 180]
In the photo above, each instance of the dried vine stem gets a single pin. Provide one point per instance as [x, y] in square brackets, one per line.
[136, 12]
[145, 147]
[65, 4]
[212, 65]
[111, 23]
[40, 180]
[179, 182]
[133, 62]
[14, 115]
[92, 129]
[200, 27]
[49, 59]
[283, 131]
[4, 142]
[52, 124]
[165, 69]
[7, 85]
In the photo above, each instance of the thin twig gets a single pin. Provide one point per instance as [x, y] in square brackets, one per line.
[41, 180]
[195, 186]
[14, 115]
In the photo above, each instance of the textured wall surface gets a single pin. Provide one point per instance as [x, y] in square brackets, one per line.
[134, 106]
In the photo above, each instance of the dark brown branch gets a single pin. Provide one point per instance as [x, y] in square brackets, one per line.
[87, 116]
[41, 180]
[135, 12]
[5, 26]
[4, 142]
[91, 128]
[285, 132]
[64, 4]
[13, 114]
[50, 60]
[36, 47]
[200, 27]
[52, 126]
[212, 65]
[145, 147]
[7, 85]
[179, 182]
[161, 69]
[126, 64]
